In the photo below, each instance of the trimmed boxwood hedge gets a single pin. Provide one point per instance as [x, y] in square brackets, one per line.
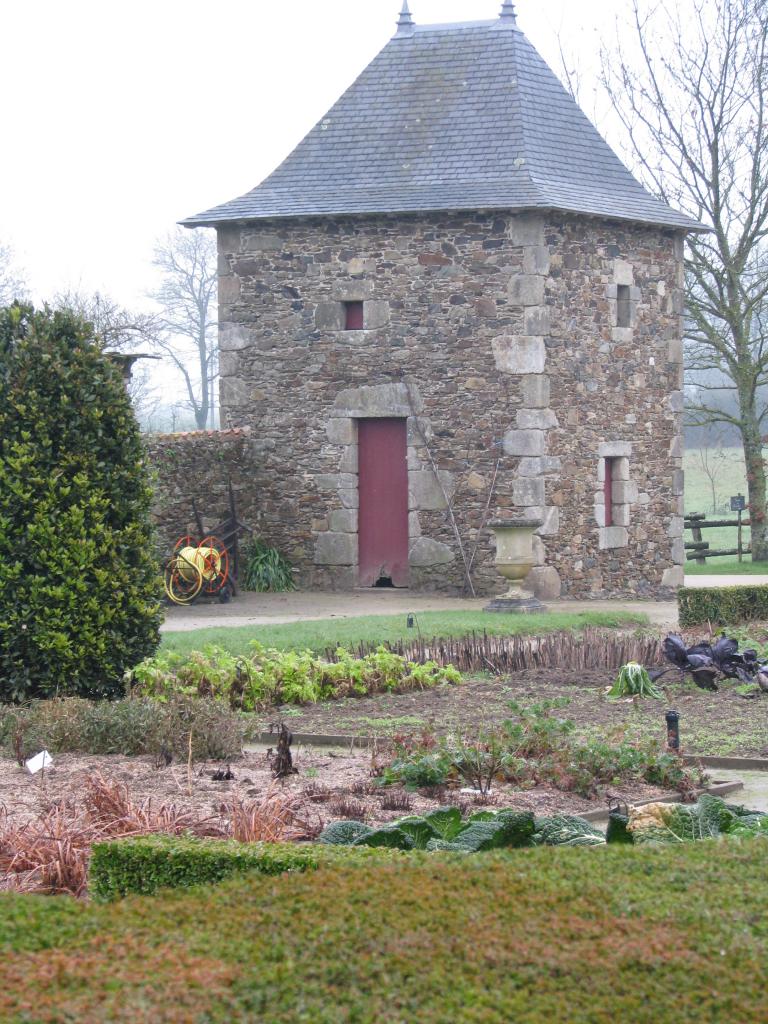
[669, 935]
[722, 606]
[144, 865]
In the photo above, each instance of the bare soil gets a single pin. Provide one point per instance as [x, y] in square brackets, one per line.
[717, 724]
[334, 784]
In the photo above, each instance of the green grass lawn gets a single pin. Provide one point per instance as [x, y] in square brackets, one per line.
[320, 634]
[726, 567]
[730, 479]
[568, 936]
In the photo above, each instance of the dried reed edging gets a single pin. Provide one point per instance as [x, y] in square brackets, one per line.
[591, 649]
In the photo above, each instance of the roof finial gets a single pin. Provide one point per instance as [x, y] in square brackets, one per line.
[405, 21]
[508, 11]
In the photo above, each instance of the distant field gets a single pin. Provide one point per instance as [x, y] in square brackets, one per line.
[730, 478]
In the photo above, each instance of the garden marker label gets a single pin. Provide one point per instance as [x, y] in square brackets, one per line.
[38, 762]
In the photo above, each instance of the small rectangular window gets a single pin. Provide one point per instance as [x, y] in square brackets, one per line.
[623, 311]
[353, 316]
[608, 490]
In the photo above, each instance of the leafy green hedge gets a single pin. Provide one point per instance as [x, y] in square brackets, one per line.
[722, 606]
[268, 676]
[144, 865]
[669, 935]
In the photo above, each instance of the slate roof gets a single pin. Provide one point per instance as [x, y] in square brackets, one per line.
[451, 117]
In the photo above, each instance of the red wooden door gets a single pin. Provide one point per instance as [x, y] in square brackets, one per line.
[383, 483]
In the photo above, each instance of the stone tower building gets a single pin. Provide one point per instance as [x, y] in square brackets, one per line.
[452, 304]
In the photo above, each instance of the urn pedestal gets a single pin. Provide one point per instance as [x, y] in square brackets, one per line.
[514, 560]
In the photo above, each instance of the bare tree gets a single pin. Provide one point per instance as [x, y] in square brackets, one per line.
[119, 330]
[713, 462]
[692, 98]
[187, 296]
[12, 285]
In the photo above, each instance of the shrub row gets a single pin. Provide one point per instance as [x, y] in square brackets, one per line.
[143, 866]
[268, 677]
[132, 727]
[673, 935]
[722, 606]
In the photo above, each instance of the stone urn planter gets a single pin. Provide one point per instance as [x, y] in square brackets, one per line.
[514, 560]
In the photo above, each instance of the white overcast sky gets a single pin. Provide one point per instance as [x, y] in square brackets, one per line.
[119, 119]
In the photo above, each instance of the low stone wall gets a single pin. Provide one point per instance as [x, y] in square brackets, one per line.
[197, 466]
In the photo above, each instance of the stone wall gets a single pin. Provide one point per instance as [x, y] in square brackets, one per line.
[497, 338]
[198, 466]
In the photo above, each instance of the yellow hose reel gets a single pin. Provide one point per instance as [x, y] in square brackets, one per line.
[196, 568]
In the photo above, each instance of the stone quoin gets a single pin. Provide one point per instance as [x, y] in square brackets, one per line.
[455, 246]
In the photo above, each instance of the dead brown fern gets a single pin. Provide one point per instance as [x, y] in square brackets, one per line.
[51, 853]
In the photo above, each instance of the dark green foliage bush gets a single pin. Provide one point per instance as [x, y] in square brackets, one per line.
[78, 576]
[132, 727]
[265, 569]
[722, 606]
[149, 863]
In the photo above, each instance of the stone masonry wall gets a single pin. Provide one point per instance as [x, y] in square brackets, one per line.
[497, 338]
[198, 465]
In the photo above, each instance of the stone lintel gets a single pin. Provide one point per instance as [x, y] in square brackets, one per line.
[623, 273]
[351, 291]
[615, 449]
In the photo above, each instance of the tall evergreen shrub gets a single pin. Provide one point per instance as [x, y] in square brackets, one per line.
[78, 575]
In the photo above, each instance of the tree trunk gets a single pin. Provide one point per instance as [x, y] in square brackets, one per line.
[201, 413]
[753, 457]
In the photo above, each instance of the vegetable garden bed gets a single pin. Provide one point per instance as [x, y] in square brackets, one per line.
[717, 724]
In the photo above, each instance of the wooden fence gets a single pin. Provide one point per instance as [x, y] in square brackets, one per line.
[698, 549]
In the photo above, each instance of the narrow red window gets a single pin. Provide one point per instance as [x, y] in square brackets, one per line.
[608, 490]
[623, 306]
[353, 318]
